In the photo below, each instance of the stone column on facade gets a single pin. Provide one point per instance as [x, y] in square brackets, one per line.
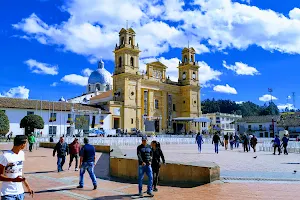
[138, 104]
[164, 110]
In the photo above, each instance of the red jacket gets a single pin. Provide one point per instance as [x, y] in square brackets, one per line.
[74, 147]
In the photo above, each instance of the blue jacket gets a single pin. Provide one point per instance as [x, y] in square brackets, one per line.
[285, 140]
[199, 139]
[277, 141]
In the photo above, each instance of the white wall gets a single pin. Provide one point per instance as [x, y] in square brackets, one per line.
[16, 115]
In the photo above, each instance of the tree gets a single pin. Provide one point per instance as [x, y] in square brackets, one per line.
[4, 123]
[80, 123]
[31, 122]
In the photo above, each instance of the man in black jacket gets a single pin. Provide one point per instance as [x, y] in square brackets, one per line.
[62, 150]
[144, 153]
[216, 140]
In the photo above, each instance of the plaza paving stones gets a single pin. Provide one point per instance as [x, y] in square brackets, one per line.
[240, 169]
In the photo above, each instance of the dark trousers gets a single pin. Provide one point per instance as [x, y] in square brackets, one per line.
[253, 147]
[155, 171]
[278, 147]
[30, 146]
[72, 156]
[284, 149]
[246, 147]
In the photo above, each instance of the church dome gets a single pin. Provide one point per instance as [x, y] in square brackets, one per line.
[101, 75]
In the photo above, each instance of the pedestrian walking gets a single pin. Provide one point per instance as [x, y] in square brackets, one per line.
[74, 149]
[11, 171]
[199, 141]
[62, 150]
[285, 141]
[145, 154]
[245, 143]
[226, 141]
[253, 143]
[236, 141]
[231, 141]
[216, 139]
[31, 141]
[9, 136]
[156, 162]
[277, 145]
[87, 163]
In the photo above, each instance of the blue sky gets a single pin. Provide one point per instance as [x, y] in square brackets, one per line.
[244, 47]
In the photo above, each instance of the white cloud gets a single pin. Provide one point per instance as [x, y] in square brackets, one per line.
[87, 72]
[239, 102]
[241, 68]
[295, 14]
[246, 1]
[206, 73]
[288, 97]
[225, 89]
[54, 84]
[17, 92]
[284, 106]
[92, 29]
[267, 97]
[75, 79]
[41, 68]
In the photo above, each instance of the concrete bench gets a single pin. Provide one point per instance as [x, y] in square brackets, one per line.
[173, 173]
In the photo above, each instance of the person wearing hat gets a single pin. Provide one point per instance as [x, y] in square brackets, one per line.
[144, 153]
[87, 162]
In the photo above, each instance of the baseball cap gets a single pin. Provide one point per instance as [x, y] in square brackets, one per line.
[144, 137]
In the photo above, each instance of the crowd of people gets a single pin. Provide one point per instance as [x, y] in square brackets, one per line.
[247, 140]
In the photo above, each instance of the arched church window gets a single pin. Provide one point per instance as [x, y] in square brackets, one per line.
[120, 61]
[194, 76]
[192, 58]
[89, 88]
[98, 87]
[122, 40]
[107, 87]
[130, 40]
[131, 61]
[183, 75]
[185, 59]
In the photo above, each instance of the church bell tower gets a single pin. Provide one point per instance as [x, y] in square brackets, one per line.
[127, 53]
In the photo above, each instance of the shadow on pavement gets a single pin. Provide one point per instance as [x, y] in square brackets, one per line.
[41, 172]
[127, 196]
[54, 190]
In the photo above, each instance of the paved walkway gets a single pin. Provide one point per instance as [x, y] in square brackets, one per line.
[235, 163]
[40, 169]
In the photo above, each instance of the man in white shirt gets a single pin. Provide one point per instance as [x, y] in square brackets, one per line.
[11, 171]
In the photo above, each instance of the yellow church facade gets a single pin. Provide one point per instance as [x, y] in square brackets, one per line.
[150, 101]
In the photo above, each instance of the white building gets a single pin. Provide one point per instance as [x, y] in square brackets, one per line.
[222, 122]
[56, 115]
[260, 126]
[100, 81]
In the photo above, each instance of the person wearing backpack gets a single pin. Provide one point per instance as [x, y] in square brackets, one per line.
[156, 162]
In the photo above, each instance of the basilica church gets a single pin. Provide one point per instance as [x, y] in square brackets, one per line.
[148, 101]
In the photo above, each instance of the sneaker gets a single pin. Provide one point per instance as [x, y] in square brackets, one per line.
[141, 195]
[80, 186]
[155, 190]
[150, 194]
[95, 187]
[76, 169]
